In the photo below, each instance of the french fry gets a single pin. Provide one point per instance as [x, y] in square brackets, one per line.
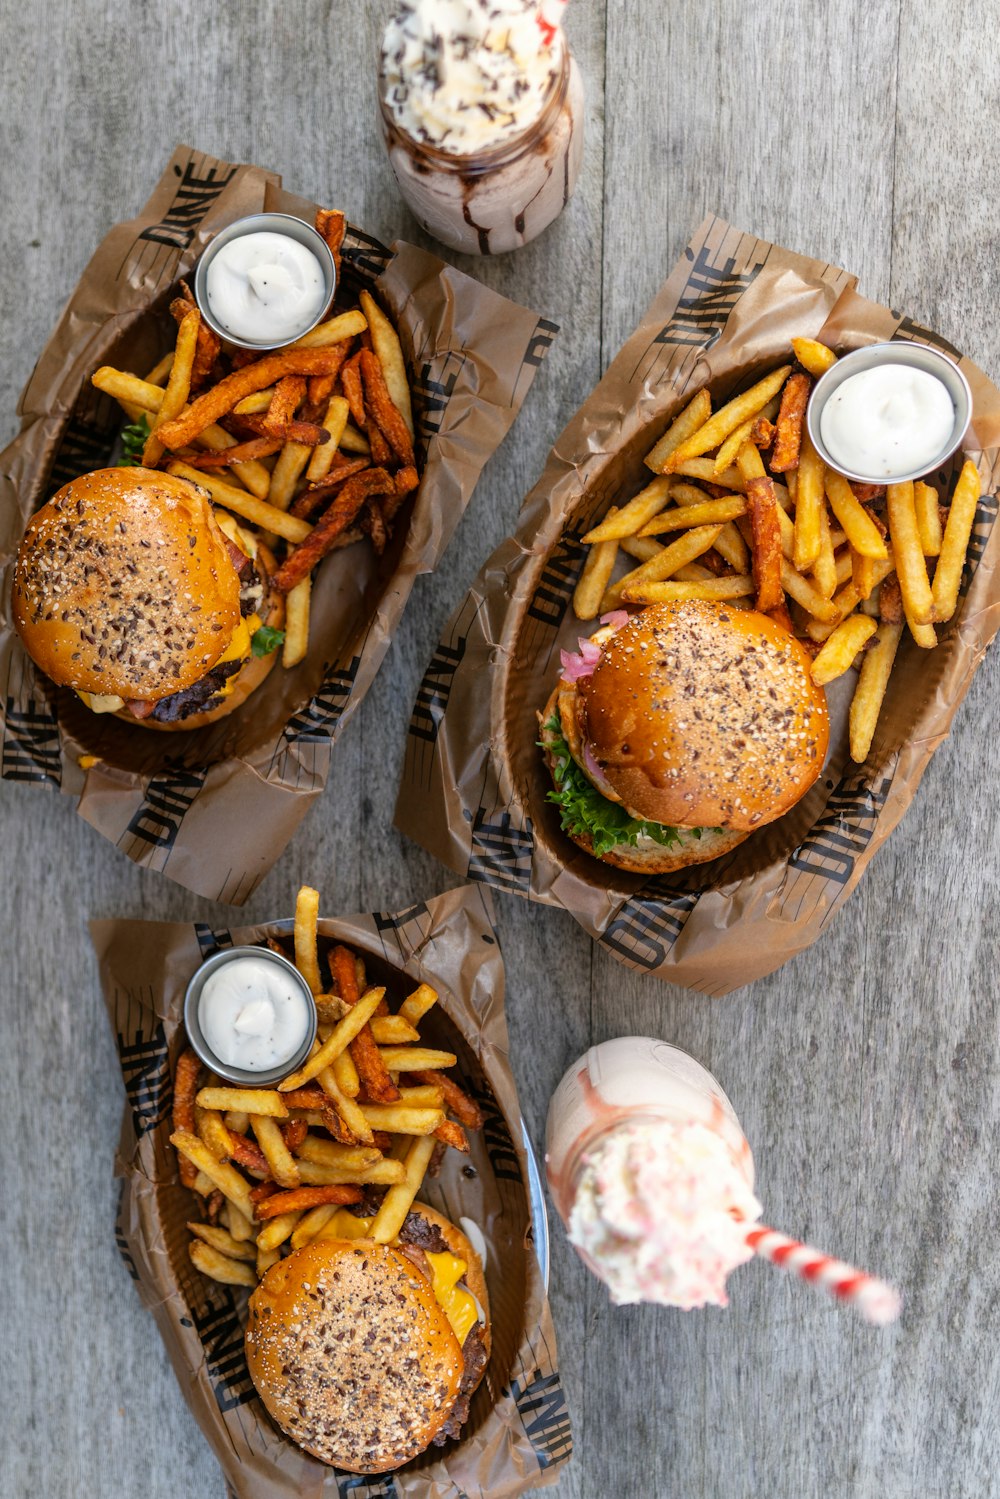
[416, 1059]
[825, 568]
[380, 405]
[450, 1133]
[890, 602]
[383, 1173]
[296, 642]
[814, 357]
[334, 331]
[220, 1173]
[178, 386]
[288, 470]
[183, 1107]
[594, 579]
[158, 374]
[630, 518]
[811, 600]
[224, 1242]
[858, 525]
[729, 449]
[334, 521]
[863, 573]
[870, 691]
[924, 635]
[219, 1266]
[329, 1153]
[278, 1228]
[713, 590]
[239, 1227]
[346, 1074]
[416, 1005]
[928, 513]
[401, 1119]
[213, 1131]
[339, 1039]
[321, 457]
[911, 568]
[668, 559]
[306, 955]
[398, 1200]
[457, 1101]
[253, 474]
[642, 548]
[732, 548]
[245, 1100]
[276, 1152]
[838, 653]
[344, 1104]
[364, 1053]
[311, 1222]
[388, 352]
[704, 514]
[808, 505]
[694, 416]
[766, 552]
[353, 441]
[704, 469]
[788, 431]
[420, 1095]
[955, 543]
[265, 1259]
[258, 512]
[727, 419]
[393, 1030]
[223, 396]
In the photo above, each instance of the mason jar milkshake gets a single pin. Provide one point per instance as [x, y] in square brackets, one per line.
[482, 116]
[651, 1174]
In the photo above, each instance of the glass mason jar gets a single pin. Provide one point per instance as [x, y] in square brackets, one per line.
[631, 1080]
[495, 199]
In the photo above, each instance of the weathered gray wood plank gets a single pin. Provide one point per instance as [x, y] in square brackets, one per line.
[865, 1071]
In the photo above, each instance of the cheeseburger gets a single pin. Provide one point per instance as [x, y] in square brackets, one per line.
[678, 731]
[133, 592]
[364, 1353]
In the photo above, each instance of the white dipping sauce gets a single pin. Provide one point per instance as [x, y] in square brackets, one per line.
[252, 1014]
[265, 287]
[887, 421]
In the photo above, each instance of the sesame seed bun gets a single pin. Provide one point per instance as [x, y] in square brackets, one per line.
[124, 586]
[701, 715]
[352, 1354]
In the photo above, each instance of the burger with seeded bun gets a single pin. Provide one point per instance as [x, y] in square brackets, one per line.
[131, 590]
[365, 1354]
[678, 731]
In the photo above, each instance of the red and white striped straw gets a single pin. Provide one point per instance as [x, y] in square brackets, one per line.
[876, 1300]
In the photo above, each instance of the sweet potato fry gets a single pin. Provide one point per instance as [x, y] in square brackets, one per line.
[351, 384]
[890, 602]
[248, 1154]
[762, 432]
[762, 508]
[207, 408]
[242, 452]
[185, 1088]
[456, 1101]
[405, 480]
[788, 439]
[263, 1192]
[380, 404]
[454, 1135]
[867, 492]
[332, 225]
[310, 434]
[377, 444]
[300, 1198]
[319, 493]
[208, 344]
[330, 525]
[288, 395]
[373, 524]
[374, 1076]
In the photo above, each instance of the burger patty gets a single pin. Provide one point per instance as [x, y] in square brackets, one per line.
[193, 699]
[475, 1359]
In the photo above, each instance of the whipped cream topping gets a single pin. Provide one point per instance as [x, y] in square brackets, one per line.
[662, 1212]
[467, 75]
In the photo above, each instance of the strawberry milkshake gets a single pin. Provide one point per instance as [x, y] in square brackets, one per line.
[482, 116]
[651, 1173]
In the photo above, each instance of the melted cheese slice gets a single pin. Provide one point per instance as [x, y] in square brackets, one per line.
[460, 1306]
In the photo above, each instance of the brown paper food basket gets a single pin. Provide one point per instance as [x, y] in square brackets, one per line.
[474, 786]
[518, 1435]
[213, 808]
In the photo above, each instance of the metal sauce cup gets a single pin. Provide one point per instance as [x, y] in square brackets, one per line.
[914, 356]
[273, 223]
[242, 1076]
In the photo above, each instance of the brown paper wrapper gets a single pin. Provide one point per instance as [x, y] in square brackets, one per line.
[518, 1433]
[474, 785]
[213, 808]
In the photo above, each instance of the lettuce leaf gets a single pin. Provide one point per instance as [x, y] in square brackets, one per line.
[133, 442]
[583, 811]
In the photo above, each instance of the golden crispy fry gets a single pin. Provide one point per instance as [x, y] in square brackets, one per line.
[393, 1030]
[728, 418]
[826, 569]
[296, 641]
[809, 503]
[222, 397]
[594, 579]
[861, 530]
[276, 1152]
[704, 469]
[729, 449]
[844, 602]
[388, 352]
[321, 457]
[811, 600]
[245, 1100]
[306, 956]
[158, 374]
[346, 1074]
[788, 435]
[863, 573]
[416, 1058]
[278, 1228]
[837, 655]
[694, 416]
[630, 518]
[178, 386]
[925, 504]
[258, 512]
[239, 1227]
[401, 1119]
[955, 542]
[420, 1096]
[219, 1266]
[329, 1153]
[911, 568]
[265, 1259]
[398, 1200]
[703, 514]
[642, 548]
[343, 1102]
[416, 1005]
[225, 1177]
[712, 589]
[335, 331]
[213, 1131]
[224, 1242]
[732, 548]
[353, 441]
[310, 1224]
[287, 472]
[668, 559]
[382, 1173]
[870, 691]
[339, 1039]
[813, 356]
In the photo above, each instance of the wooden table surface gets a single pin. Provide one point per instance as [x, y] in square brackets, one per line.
[865, 1072]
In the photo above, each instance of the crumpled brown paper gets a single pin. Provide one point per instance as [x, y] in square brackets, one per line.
[474, 785]
[518, 1433]
[213, 808]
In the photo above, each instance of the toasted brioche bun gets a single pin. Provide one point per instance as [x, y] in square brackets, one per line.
[649, 857]
[254, 669]
[352, 1354]
[106, 577]
[701, 715]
